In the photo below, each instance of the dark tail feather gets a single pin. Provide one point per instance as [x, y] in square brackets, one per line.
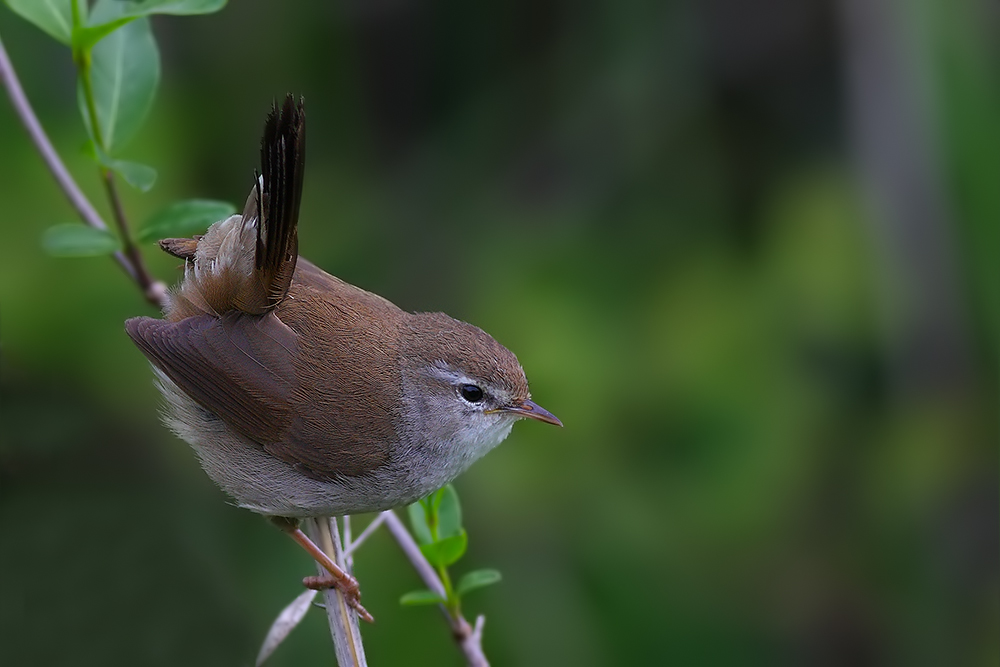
[282, 157]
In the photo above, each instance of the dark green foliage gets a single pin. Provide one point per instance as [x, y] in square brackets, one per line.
[659, 208]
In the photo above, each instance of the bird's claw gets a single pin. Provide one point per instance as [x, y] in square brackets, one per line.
[347, 586]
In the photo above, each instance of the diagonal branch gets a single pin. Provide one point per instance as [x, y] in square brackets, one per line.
[469, 639]
[154, 290]
[365, 534]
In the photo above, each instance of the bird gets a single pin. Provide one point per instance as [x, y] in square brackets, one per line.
[305, 396]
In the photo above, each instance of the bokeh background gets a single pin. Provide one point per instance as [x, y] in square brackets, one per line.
[747, 251]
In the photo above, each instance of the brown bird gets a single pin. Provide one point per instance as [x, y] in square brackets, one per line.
[305, 396]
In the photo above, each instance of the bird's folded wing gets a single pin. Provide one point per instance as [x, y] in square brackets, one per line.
[239, 367]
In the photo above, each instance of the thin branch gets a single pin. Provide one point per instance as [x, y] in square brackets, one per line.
[150, 286]
[342, 618]
[346, 522]
[154, 291]
[469, 639]
[348, 561]
[410, 549]
[365, 534]
[131, 250]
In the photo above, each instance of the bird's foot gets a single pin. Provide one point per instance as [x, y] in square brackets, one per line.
[348, 587]
[337, 578]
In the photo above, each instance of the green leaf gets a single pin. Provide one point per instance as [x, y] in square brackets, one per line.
[124, 74]
[130, 10]
[85, 37]
[418, 522]
[55, 17]
[414, 598]
[477, 579]
[175, 7]
[447, 551]
[139, 176]
[449, 512]
[72, 239]
[184, 218]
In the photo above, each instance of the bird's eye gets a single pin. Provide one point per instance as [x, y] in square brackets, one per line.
[471, 393]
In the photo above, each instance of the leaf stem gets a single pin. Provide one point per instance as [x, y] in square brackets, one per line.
[77, 14]
[146, 282]
[82, 59]
[469, 638]
[454, 604]
[81, 56]
[154, 292]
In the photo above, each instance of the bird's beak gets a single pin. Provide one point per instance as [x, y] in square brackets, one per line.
[532, 410]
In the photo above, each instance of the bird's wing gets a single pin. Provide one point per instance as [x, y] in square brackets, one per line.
[243, 369]
[238, 367]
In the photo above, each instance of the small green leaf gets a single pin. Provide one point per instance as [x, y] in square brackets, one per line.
[124, 74]
[418, 523]
[184, 218]
[447, 551]
[175, 7]
[449, 512]
[72, 239]
[55, 17]
[130, 10]
[477, 579]
[414, 598]
[433, 501]
[139, 176]
[85, 37]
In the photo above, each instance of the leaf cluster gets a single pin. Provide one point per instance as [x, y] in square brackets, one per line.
[118, 72]
[437, 525]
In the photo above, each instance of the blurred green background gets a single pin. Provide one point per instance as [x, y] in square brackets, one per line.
[747, 251]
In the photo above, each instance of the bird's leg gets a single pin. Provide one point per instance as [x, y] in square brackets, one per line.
[337, 578]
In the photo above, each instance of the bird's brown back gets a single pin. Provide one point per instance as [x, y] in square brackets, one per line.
[315, 382]
[347, 391]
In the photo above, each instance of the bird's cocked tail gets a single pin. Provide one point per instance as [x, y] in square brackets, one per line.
[245, 262]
